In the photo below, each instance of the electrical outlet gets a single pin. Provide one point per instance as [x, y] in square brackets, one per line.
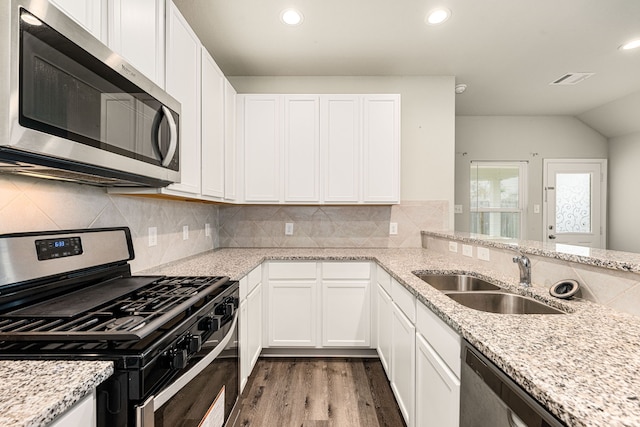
[467, 250]
[457, 209]
[288, 229]
[453, 246]
[207, 230]
[536, 209]
[483, 253]
[153, 236]
[185, 232]
[393, 228]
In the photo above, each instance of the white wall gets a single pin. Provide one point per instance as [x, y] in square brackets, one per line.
[428, 122]
[527, 138]
[624, 196]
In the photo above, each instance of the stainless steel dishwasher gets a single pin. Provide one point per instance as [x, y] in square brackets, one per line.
[489, 398]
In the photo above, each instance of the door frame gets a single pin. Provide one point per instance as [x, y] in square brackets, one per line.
[603, 195]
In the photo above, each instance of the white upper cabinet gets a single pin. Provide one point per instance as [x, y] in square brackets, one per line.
[381, 145]
[136, 31]
[91, 14]
[213, 134]
[183, 83]
[334, 148]
[230, 143]
[340, 140]
[262, 129]
[301, 148]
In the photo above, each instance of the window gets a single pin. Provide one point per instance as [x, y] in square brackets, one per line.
[498, 198]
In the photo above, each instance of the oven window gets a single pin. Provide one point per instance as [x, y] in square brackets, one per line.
[66, 92]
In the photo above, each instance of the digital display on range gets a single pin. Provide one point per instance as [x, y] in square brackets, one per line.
[58, 248]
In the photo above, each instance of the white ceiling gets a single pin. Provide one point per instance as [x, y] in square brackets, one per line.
[506, 51]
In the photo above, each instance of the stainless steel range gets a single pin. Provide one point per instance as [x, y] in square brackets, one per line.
[173, 340]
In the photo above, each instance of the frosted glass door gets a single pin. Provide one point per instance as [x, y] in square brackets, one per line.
[573, 196]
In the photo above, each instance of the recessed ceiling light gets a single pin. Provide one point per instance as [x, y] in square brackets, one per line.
[291, 17]
[438, 16]
[631, 45]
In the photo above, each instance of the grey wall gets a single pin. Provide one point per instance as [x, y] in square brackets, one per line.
[527, 138]
[624, 196]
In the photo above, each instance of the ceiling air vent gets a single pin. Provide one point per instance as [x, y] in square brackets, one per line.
[571, 78]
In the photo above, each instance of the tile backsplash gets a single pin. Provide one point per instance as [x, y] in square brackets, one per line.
[28, 204]
[330, 226]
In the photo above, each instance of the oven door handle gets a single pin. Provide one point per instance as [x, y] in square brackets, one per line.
[144, 412]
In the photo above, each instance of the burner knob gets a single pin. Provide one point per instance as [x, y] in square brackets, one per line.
[194, 343]
[179, 359]
[209, 324]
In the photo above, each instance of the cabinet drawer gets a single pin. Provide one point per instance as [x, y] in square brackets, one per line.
[444, 340]
[404, 299]
[346, 270]
[383, 278]
[292, 270]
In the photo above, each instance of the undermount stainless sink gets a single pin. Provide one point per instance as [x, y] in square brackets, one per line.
[478, 294]
[501, 302]
[457, 282]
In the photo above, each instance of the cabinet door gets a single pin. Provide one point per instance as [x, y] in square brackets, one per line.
[292, 313]
[385, 317]
[437, 389]
[381, 148]
[262, 148]
[230, 143]
[254, 323]
[244, 344]
[183, 83]
[403, 335]
[301, 149]
[346, 313]
[213, 107]
[91, 14]
[340, 142]
[136, 31]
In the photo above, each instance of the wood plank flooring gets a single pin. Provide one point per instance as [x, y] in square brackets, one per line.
[306, 392]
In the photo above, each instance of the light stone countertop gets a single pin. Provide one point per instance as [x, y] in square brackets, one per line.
[34, 392]
[583, 366]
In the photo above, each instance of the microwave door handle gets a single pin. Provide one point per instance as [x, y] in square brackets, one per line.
[173, 138]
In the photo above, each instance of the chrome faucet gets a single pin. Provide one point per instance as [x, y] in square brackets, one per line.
[525, 269]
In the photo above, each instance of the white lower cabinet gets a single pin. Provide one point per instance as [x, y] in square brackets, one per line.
[323, 304]
[83, 413]
[292, 313]
[250, 323]
[384, 317]
[437, 389]
[437, 371]
[403, 335]
[346, 304]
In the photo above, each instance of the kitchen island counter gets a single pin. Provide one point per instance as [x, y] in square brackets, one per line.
[34, 392]
[581, 365]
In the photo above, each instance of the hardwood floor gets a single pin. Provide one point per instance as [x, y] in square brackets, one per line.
[317, 393]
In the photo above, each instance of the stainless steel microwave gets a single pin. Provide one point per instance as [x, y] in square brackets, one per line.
[72, 109]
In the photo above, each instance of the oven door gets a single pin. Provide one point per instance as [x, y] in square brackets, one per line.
[206, 391]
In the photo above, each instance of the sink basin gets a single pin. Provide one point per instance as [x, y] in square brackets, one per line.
[457, 282]
[503, 303]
